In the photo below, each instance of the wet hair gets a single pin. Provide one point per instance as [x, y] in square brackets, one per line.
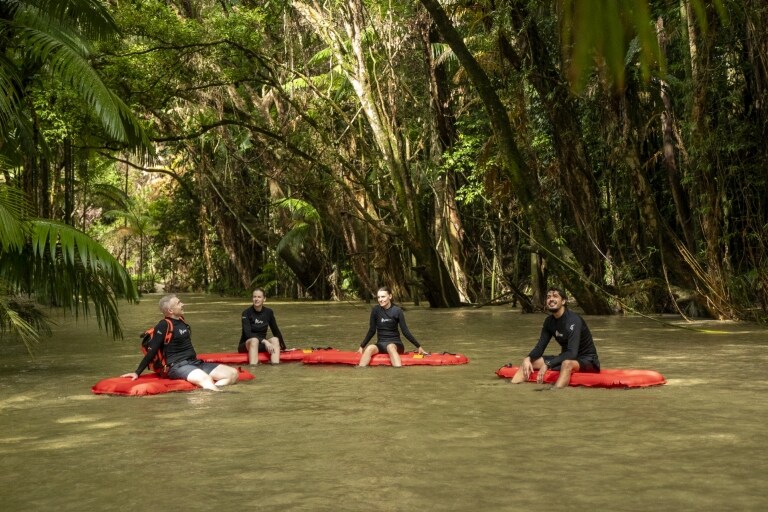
[259, 289]
[165, 301]
[559, 291]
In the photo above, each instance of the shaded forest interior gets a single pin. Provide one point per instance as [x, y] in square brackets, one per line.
[458, 152]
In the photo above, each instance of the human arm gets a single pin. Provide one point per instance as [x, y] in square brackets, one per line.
[371, 329]
[541, 345]
[246, 326]
[407, 332]
[538, 352]
[276, 331]
[527, 368]
[542, 372]
[155, 344]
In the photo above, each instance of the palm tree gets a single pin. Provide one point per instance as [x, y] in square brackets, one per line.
[50, 39]
[44, 261]
[47, 262]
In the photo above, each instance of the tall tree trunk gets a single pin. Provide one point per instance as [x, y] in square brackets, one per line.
[539, 280]
[523, 180]
[69, 182]
[709, 182]
[577, 181]
[668, 130]
[437, 284]
[447, 221]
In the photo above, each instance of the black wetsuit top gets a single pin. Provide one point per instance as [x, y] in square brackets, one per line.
[179, 348]
[573, 335]
[255, 324]
[384, 323]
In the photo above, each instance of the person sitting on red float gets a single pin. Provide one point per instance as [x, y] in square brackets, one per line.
[578, 353]
[253, 337]
[179, 353]
[385, 320]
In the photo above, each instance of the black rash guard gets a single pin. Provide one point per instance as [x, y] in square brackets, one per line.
[179, 348]
[384, 323]
[573, 335]
[255, 324]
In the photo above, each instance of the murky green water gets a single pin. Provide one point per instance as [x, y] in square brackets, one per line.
[309, 438]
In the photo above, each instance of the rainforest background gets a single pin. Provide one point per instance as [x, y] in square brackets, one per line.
[461, 152]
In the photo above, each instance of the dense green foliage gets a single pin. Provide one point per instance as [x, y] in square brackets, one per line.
[458, 152]
[48, 91]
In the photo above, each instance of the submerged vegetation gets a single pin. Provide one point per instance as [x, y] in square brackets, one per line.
[467, 152]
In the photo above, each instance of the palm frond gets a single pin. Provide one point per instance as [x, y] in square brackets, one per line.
[22, 319]
[10, 84]
[300, 209]
[295, 237]
[62, 266]
[91, 17]
[65, 55]
[305, 219]
[609, 29]
[322, 56]
[13, 208]
[111, 194]
[75, 247]
[442, 54]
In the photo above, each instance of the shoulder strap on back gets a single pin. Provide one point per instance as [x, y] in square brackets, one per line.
[169, 331]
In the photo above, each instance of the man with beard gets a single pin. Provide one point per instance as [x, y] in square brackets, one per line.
[578, 352]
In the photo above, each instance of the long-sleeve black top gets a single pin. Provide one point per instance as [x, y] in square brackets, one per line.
[179, 348]
[385, 323]
[256, 323]
[571, 332]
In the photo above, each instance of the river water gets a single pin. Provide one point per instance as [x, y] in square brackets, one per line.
[330, 438]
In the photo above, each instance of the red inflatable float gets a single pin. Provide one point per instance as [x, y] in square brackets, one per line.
[409, 358]
[607, 378]
[149, 384]
[292, 354]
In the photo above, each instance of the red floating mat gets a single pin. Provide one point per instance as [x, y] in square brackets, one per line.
[149, 384]
[607, 378]
[409, 358]
[286, 356]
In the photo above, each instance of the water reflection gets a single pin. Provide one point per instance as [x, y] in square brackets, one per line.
[337, 438]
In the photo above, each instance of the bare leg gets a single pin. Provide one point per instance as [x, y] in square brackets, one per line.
[525, 370]
[202, 379]
[274, 355]
[253, 351]
[394, 356]
[569, 366]
[368, 353]
[224, 375]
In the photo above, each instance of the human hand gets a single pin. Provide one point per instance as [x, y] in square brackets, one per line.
[270, 348]
[527, 368]
[132, 375]
[540, 376]
[422, 351]
[360, 350]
